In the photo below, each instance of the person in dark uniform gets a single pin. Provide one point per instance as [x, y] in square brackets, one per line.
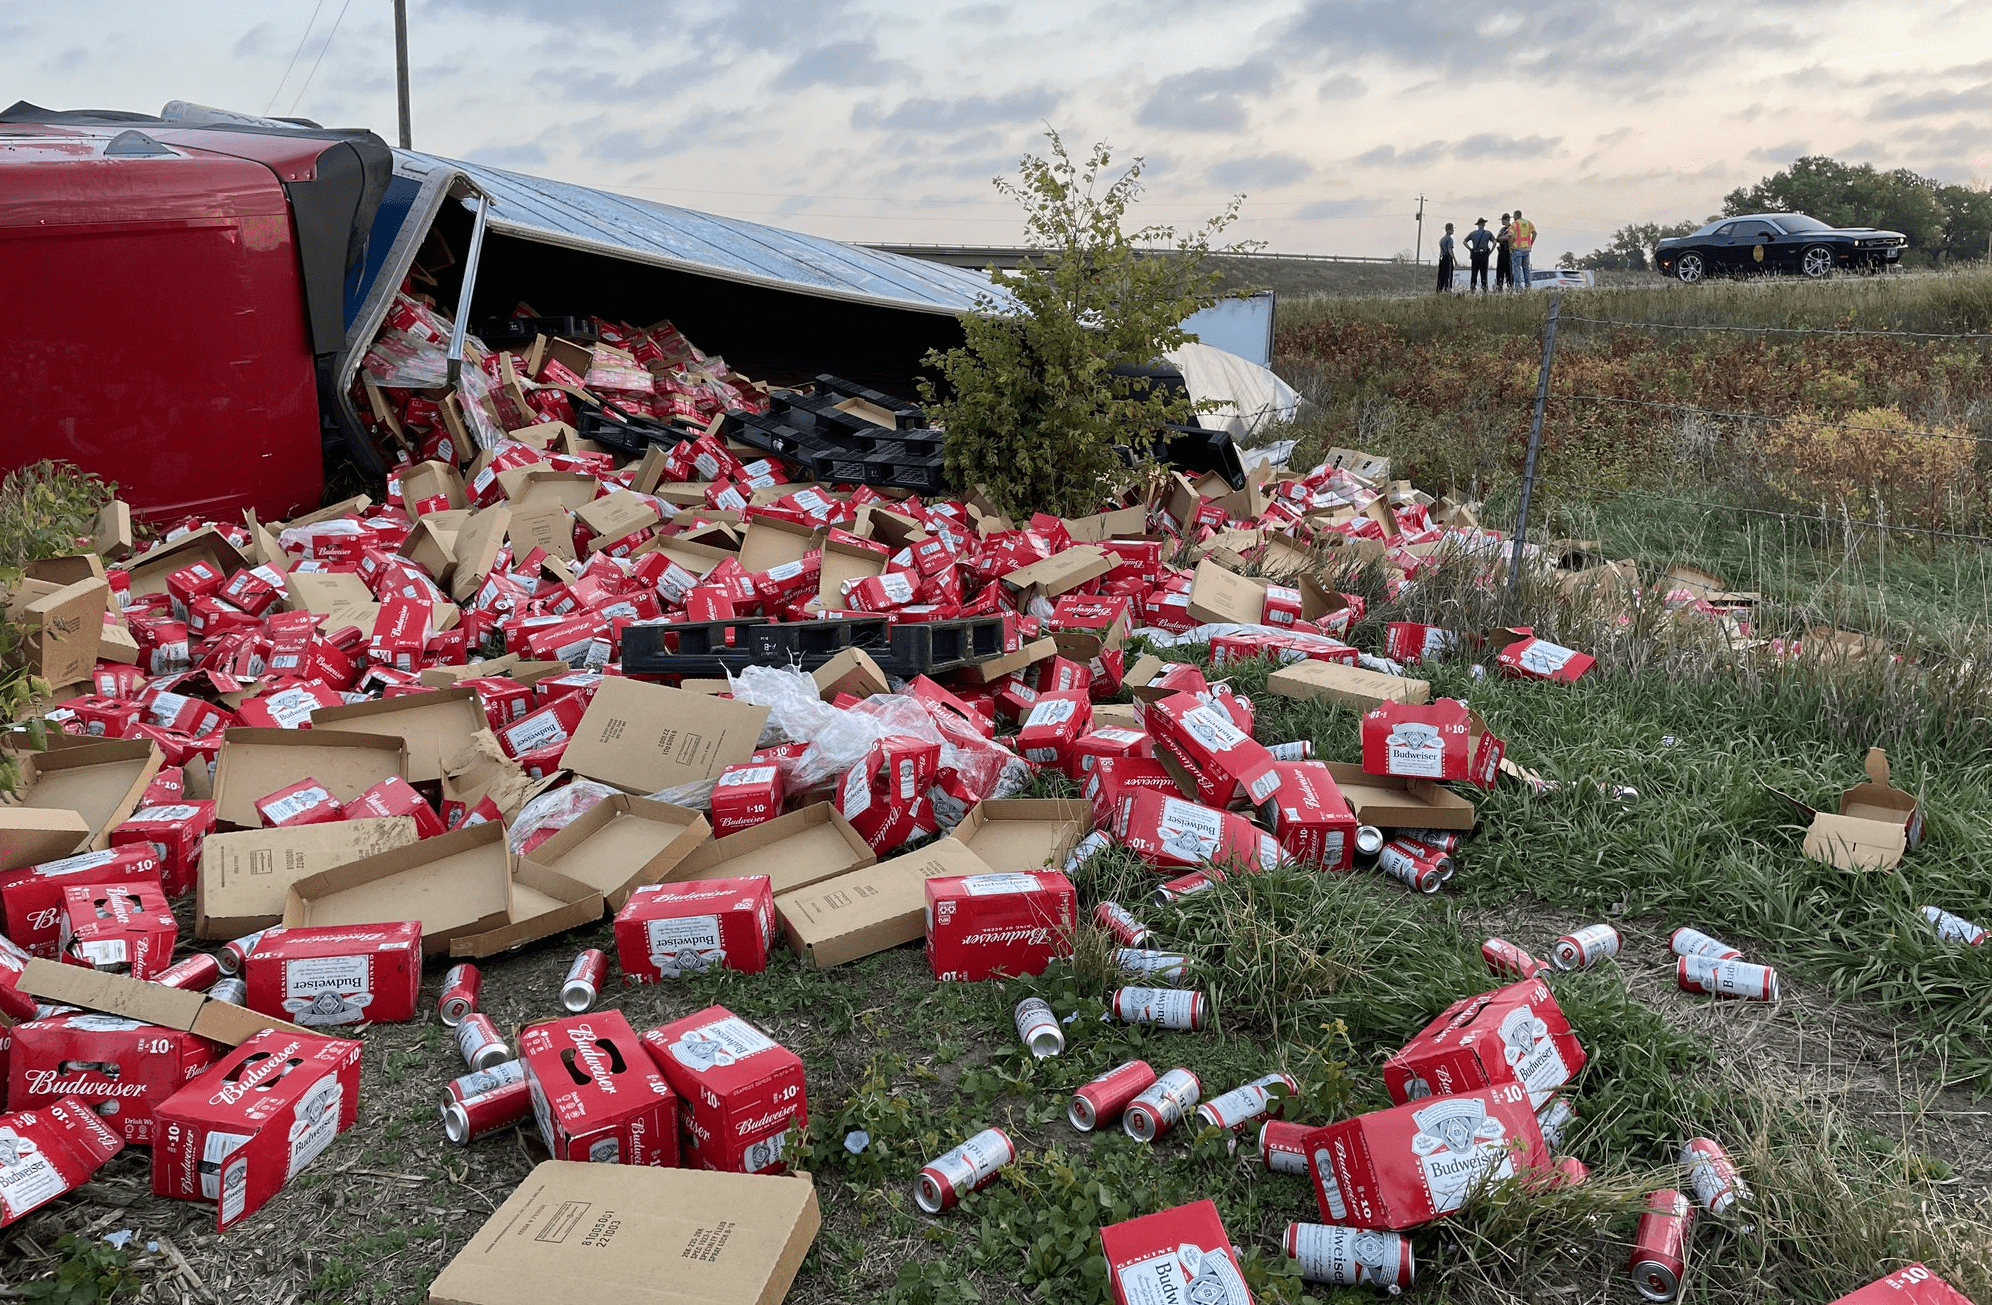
[1504, 263]
[1479, 246]
[1446, 260]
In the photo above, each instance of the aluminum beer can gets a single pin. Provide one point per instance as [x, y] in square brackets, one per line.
[1660, 1248]
[1175, 889]
[1283, 1146]
[1038, 1027]
[1118, 921]
[231, 990]
[1369, 840]
[1726, 978]
[1712, 1175]
[478, 1040]
[1439, 840]
[234, 952]
[1085, 849]
[1298, 750]
[1162, 1106]
[199, 971]
[1167, 1008]
[1693, 942]
[1504, 958]
[1555, 1116]
[486, 1101]
[1103, 1100]
[1953, 928]
[1351, 1256]
[1410, 866]
[1586, 947]
[945, 1179]
[1242, 1106]
[584, 980]
[459, 995]
[1167, 967]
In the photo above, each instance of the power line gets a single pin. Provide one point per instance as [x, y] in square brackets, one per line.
[306, 36]
[321, 56]
[1765, 416]
[1785, 330]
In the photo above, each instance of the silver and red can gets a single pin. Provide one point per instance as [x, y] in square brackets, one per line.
[1162, 1105]
[1585, 947]
[1171, 890]
[1726, 978]
[1351, 1256]
[1660, 1248]
[1569, 1171]
[198, 972]
[459, 995]
[1953, 928]
[1439, 840]
[1167, 967]
[1166, 1008]
[1103, 1100]
[1243, 1106]
[231, 990]
[973, 1165]
[1693, 942]
[1712, 1175]
[1086, 849]
[1408, 864]
[1038, 1026]
[1503, 957]
[485, 1101]
[1555, 1116]
[1283, 1146]
[478, 1040]
[1298, 750]
[1117, 920]
[236, 950]
[1369, 840]
[584, 980]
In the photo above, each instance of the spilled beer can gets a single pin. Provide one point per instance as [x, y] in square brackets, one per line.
[1166, 1008]
[459, 995]
[1165, 967]
[1369, 840]
[1410, 865]
[237, 950]
[1085, 849]
[1117, 920]
[1351, 1256]
[1660, 1248]
[1953, 928]
[1103, 1100]
[973, 1165]
[1712, 1175]
[485, 1101]
[1240, 1107]
[1038, 1027]
[584, 980]
[1586, 947]
[198, 972]
[1162, 1105]
[1298, 750]
[1726, 978]
[1439, 840]
[231, 990]
[1504, 958]
[1176, 889]
[1693, 942]
[1283, 1146]
[1555, 1116]
[478, 1040]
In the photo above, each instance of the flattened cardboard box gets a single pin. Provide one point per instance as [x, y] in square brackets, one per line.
[1875, 825]
[64, 629]
[437, 727]
[544, 903]
[622, 843]
[148, 573]
[645, 737]
[1394, 802]
[150, 1003]
[794, 851]
[455, 884]
[246, 877]
[1352, 686]
[102, 781]
[637, 1235]
[864, 911]
[255, 763]
[1024, 834]
[29, 836]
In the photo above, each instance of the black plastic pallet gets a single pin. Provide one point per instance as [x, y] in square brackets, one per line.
[508, 331]
[904, 651]
[627, 432]
[811, 643]
[905, 416]
[932, 647]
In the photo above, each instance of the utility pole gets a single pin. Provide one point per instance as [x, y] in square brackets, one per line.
[401, 69]
[1419, 256]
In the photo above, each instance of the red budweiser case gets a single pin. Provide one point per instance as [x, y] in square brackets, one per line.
[550, 726]
[1407, 641]
[1539, 659]
[1209, 741]
[1053, 727]
[742, 1090]
[395, 796]
[177, 832]
[596, 1094]
[1310, 817]
[31, 897]
[1169, 832]
[1410, 1164]
[1180, 1255]
[745, 796]
[306, 802]
[979, 926]
[123, 928]
[1910, 1285]
[122, 1067]
[1514, 1034]
[254, 1120]
[1443, 740]
[323, 976]
[1111, 778]
[48, 1151]
[666, 931]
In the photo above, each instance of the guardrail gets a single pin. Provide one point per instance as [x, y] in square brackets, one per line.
[982, 255]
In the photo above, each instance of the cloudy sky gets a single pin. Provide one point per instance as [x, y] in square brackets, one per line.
[885, 119]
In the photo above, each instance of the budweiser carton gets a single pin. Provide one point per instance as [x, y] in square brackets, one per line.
[31, 897]
[254, 1120]
[743, 1092]
[596, 1094]
[1112, 778]
[1539, 659]
[550, 726]
[1514, 1034]
[1015, 923]
[176, 832]
[395, 796]
[306, 802]
[902, 768]
[1170, 832]
[666, 931]
[124, 928]
[1310, 817]
[1109, 741]
[323, 976]
[1181, 1256]
[1053, 727]
[288, 708]
[47, 1152]
[745, 795]
[1407, 641]
[1911, 1285]
[1408, 1165]
[1207, 740]
[15, 1005]
[1442, 740]
[122, 1067]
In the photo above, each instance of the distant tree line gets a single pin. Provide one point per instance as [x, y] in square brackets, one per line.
[1945, 223]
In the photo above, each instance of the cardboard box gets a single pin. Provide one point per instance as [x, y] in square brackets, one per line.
[1062, 572]
[1446, 740]
[667, 931]
[1024, 834]
[437, 727]
[256, 762]
[340, 598]
[254, 1120]
[325, 977]
[63, 630]
[1875, 825]
[1539, 659]
[1394, 802]
[1310, 816]
[544, 903]
[125, 928]
[122, 1067]
[743, 1092]
[1218, 596]
[1182, 1254]
[245, 877]
[102, 781]
[454, 884]
[29, 836]
[637, 1236]
[847, 562]
[1407, 1165]
[868, 910]
[149, 1003]
[793, 851]
[1170, 832]
[596, 1094]
[645, 737]
[851, 671]
[1205, 738]
[746, 795]
[1352, 686]
[48, 1153]
[1513, 1034]
[621, 843]
[31, 897]
[148, 572]
[1013, 922]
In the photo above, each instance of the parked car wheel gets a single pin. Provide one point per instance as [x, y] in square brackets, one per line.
[1690, 268]
[1816, 261]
